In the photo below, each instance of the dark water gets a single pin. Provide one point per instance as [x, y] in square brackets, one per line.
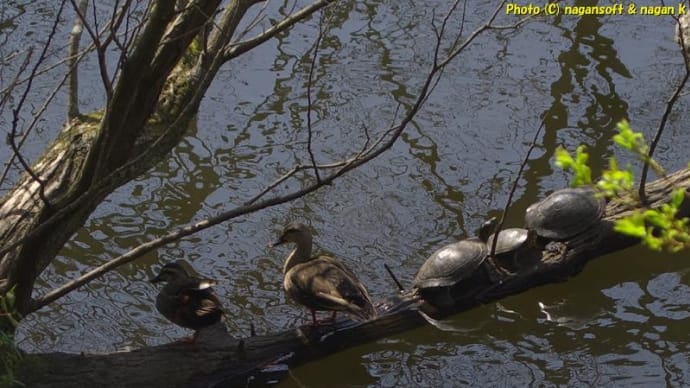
[622, 321]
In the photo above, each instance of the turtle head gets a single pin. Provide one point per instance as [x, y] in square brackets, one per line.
[488, 228]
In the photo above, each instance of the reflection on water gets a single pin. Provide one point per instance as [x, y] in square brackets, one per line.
[621, 321]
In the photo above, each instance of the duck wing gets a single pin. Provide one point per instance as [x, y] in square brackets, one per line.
[326, 284]
[190, 303]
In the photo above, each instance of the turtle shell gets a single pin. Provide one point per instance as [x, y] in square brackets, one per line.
[565, 213]
[451, 264]
[508, 240]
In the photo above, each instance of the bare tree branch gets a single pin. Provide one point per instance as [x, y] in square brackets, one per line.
[11, 136]
[75, 37]
[310, 79]
[236, 49]
[85, 51]
[667, 112]
[205, 71]
[100, 48]
[22, 100]
[72, 59]
[509, 201]
[36, 118]
[382, 144]
[255, 22]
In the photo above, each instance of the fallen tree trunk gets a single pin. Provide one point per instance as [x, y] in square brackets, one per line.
[218, 360]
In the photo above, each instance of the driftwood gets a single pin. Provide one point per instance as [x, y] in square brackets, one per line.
[218, 360]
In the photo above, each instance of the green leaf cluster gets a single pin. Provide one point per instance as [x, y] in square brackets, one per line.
[634, 142]
[578, 165]
[659, 229]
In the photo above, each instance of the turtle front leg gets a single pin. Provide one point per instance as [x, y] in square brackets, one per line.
[495, 272]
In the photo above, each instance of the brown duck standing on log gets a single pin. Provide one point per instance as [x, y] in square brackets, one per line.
[186, 300]
[321, 283]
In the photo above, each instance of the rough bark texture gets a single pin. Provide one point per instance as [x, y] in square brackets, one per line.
[154, 100]
[219, 360]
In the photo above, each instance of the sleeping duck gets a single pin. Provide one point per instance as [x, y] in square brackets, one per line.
[186, 300]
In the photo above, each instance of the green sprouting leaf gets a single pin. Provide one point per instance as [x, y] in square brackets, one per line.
[652, 242]
[631, 226]
[635, 143]
[631, 140]
[563, 158]
[582, 172]
[614, 181]
[627, 138]
[657, 219]
[677, 198]
[657, 228]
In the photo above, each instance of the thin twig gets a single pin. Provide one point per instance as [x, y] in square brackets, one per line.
[393, 133]
[395, 279]
[72, 60]
[664, 118]
[22, 100]
[100, 49]
[105, 184]
[260, 15]
[274, 184]
[81, 54]
[315, 55]
[514, 188]
[36, 118]
[75, 37]
[237, 49]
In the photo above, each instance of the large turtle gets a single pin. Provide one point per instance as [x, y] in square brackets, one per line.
[565, 213]
[450, 265]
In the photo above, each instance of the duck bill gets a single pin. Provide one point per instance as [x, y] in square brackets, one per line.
[279, 241]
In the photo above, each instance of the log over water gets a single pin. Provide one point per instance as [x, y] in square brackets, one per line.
[218, 360]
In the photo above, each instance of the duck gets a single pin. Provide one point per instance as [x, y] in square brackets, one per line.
[321, 283]
[185, 300]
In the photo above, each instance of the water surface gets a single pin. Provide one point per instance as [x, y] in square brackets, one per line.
[621, 321]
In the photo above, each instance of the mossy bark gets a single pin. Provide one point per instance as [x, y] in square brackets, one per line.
[153, 102]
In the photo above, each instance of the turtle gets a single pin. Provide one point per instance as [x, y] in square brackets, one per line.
[450, 265]
[565, 213]
[510, 240]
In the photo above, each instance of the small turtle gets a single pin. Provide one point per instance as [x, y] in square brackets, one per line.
[510, 240]
[565, 213]
[450, 265]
